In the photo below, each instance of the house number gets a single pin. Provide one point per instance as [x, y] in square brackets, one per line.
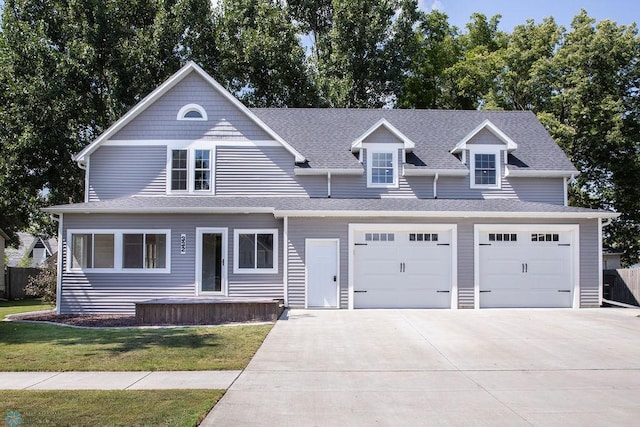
[183, 244]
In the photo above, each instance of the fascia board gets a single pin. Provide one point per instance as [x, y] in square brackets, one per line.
[160, 210]
[324, 172]
[442, 214]
[433, 172]
[542, 173]
[511, 145]
[408, 143]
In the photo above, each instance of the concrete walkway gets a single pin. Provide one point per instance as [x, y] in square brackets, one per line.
[117, 380]
[515, 367]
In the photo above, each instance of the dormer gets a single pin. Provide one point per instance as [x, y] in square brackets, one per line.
[485, 151]
[380, 149]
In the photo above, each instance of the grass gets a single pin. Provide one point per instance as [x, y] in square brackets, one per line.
[42, 347]
[109, 408]
[22, 306]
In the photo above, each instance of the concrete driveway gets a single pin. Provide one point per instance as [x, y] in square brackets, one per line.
[427, 367]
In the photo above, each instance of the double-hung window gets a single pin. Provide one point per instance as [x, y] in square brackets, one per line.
[191, 170]
[382, 168]
[121, 251]
[256, 251]
[485, 170]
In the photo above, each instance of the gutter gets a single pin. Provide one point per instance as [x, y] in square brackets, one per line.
[439, 214]
[89, 210]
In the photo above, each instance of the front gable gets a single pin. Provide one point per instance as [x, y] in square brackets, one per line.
[221, 118]
[218, 115]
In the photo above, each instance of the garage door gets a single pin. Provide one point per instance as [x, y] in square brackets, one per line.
[402, 269]
[526, 268]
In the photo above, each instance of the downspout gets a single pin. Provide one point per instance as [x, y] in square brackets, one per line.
[601, 224]
[85, 168]
[59, 260]
[285, 261]
[329, 184]
[435, 185]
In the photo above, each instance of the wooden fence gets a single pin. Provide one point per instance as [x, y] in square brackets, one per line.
[622, 285]
[15, 280]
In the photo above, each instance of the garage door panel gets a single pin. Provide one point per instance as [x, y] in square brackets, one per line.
[410, 269]
[526, 269]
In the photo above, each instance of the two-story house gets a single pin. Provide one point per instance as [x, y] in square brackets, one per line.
[192, 194]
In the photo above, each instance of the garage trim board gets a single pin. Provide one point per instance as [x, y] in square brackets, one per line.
[438, 240]
[549, 246]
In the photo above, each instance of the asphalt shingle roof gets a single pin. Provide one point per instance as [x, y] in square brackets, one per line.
[324, 136]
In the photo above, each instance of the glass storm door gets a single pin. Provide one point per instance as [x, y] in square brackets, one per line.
[211, 260]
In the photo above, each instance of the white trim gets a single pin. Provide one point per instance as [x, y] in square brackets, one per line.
[322, 172]
[87, 166]
[462, 145]
[60, 265]
[433, 172]
[306, 270]
[600, 271]
[392, 149]
[118, 252]
[164, 88]
[192, 107]
[485, 150]
[236, 247]
[358, 227]
[522, 173]
[183, 143]
[408, 144]
[565, 192]
[435, 186]
[329, 184]
[285, 260]
[224, 285]
[442, 214]
[574, 229]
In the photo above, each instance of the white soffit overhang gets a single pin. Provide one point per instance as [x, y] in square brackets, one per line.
[462, 145]
[164, 88]
[409, 145]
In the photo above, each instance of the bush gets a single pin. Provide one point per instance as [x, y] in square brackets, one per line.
[44, 285]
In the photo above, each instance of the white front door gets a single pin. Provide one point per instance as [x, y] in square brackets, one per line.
[322, 272]
[526, 268]
[211, 261]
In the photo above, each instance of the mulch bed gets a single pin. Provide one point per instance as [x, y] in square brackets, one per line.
[81, 320]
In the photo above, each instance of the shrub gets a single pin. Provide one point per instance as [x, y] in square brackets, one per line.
[44, 284]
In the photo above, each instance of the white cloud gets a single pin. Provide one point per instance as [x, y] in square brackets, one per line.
[431, 5]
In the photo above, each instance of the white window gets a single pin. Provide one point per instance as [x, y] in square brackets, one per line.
[485, 169]
[382, 168]
[255, 251]
[192, 112]
[191, 170]
[119, 251]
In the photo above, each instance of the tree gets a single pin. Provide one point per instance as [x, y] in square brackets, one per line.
[593, 114]
[261, 55]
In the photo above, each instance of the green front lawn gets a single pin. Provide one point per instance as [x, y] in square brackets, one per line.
[22, 306]
[108, 408]
[42, 347]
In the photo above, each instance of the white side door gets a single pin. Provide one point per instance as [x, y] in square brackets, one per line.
[323, 283]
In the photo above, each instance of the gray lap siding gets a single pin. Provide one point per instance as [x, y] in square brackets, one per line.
[300, 229]
[117, 292]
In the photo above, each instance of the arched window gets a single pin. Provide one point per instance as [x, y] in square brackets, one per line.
[192, 112]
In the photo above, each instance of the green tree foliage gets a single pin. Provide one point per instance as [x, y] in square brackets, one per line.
[261, 55]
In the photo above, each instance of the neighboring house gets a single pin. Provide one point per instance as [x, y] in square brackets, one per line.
[3, 239]
[611, 259]
[192, 194]
[32, 252]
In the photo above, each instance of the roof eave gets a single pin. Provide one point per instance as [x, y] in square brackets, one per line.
[440, 214]
[158, 210]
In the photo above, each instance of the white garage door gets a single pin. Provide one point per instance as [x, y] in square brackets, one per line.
[526, 268]
[402, 269]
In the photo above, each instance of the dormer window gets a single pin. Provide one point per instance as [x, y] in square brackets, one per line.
[485, 169]
[192, 112]
[382, 168]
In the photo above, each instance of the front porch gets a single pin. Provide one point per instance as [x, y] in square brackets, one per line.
[207, 310]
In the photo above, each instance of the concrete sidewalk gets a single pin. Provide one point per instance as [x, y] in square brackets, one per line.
[117, 380]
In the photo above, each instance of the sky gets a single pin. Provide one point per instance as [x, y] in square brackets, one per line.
[516, 12]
